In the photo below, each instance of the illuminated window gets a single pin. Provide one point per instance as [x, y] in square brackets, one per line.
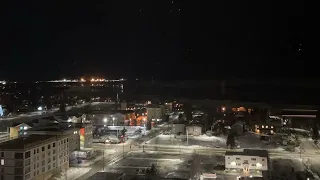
[262, 126]
[266, 126]
[2, 162]
[271, 127]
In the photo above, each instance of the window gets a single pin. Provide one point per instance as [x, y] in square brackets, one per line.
[54, 145]
[43, 169]
[27, 155]
[253, 159]
[67, 140]
[42, 148]
[43, 163]
[2, 154]
[2, 162]
[53, 151]
[34, 151]
[18, 155]
[238, 159]
[49, 146]
[262, 159]
[38, 150]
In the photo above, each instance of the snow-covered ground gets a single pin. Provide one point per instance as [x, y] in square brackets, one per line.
[203, 140]
[248, 141]
[286, 167]
[72, 174]
[172, 165]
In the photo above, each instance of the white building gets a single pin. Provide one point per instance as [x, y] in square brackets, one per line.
[247, 161]
[36, 157]
[194, 130]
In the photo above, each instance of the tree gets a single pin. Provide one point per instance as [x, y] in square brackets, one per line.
[151, 172]
[315, 132]
[62, 107]
[123, 131]
[166, 118]
[231, 141]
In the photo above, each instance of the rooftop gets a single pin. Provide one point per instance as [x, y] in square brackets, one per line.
[23, 142]
[249, 152]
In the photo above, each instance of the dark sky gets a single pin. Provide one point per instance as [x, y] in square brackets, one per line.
[149, 38]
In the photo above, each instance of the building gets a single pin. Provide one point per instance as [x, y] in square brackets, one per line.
[73, 135]
[36, 157]
[4, 137]
[154, 114]
[18, 130]
[194, 130]
[178, 128]
[248, 162]
[85, 132]
[123, 106]
[168, 107]
[264, 129]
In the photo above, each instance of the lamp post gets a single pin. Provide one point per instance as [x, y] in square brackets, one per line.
[105, 120]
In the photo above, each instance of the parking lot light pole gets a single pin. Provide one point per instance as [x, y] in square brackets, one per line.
[187, 138]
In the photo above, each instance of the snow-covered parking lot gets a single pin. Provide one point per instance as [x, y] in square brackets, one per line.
[164, 162]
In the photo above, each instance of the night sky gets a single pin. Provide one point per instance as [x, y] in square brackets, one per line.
[180, 39]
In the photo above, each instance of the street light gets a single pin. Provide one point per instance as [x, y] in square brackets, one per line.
[113, 120]
[105, 120]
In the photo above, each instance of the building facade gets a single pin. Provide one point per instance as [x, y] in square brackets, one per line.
[35, 157]
[247, 161]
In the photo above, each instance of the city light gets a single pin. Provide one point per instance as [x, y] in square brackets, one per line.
[105, 120]
[39, 108]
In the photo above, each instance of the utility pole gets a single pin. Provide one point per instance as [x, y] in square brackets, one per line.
[103, 159]
[187, 138]
[123, 147]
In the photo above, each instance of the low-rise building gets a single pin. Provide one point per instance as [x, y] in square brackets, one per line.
[18, 130]
[264, 129]
[36, 157]
[195, 130]
[178, 128]
[249, 161]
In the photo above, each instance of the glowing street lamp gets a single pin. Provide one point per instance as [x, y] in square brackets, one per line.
[113, 120]
[105, 120]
